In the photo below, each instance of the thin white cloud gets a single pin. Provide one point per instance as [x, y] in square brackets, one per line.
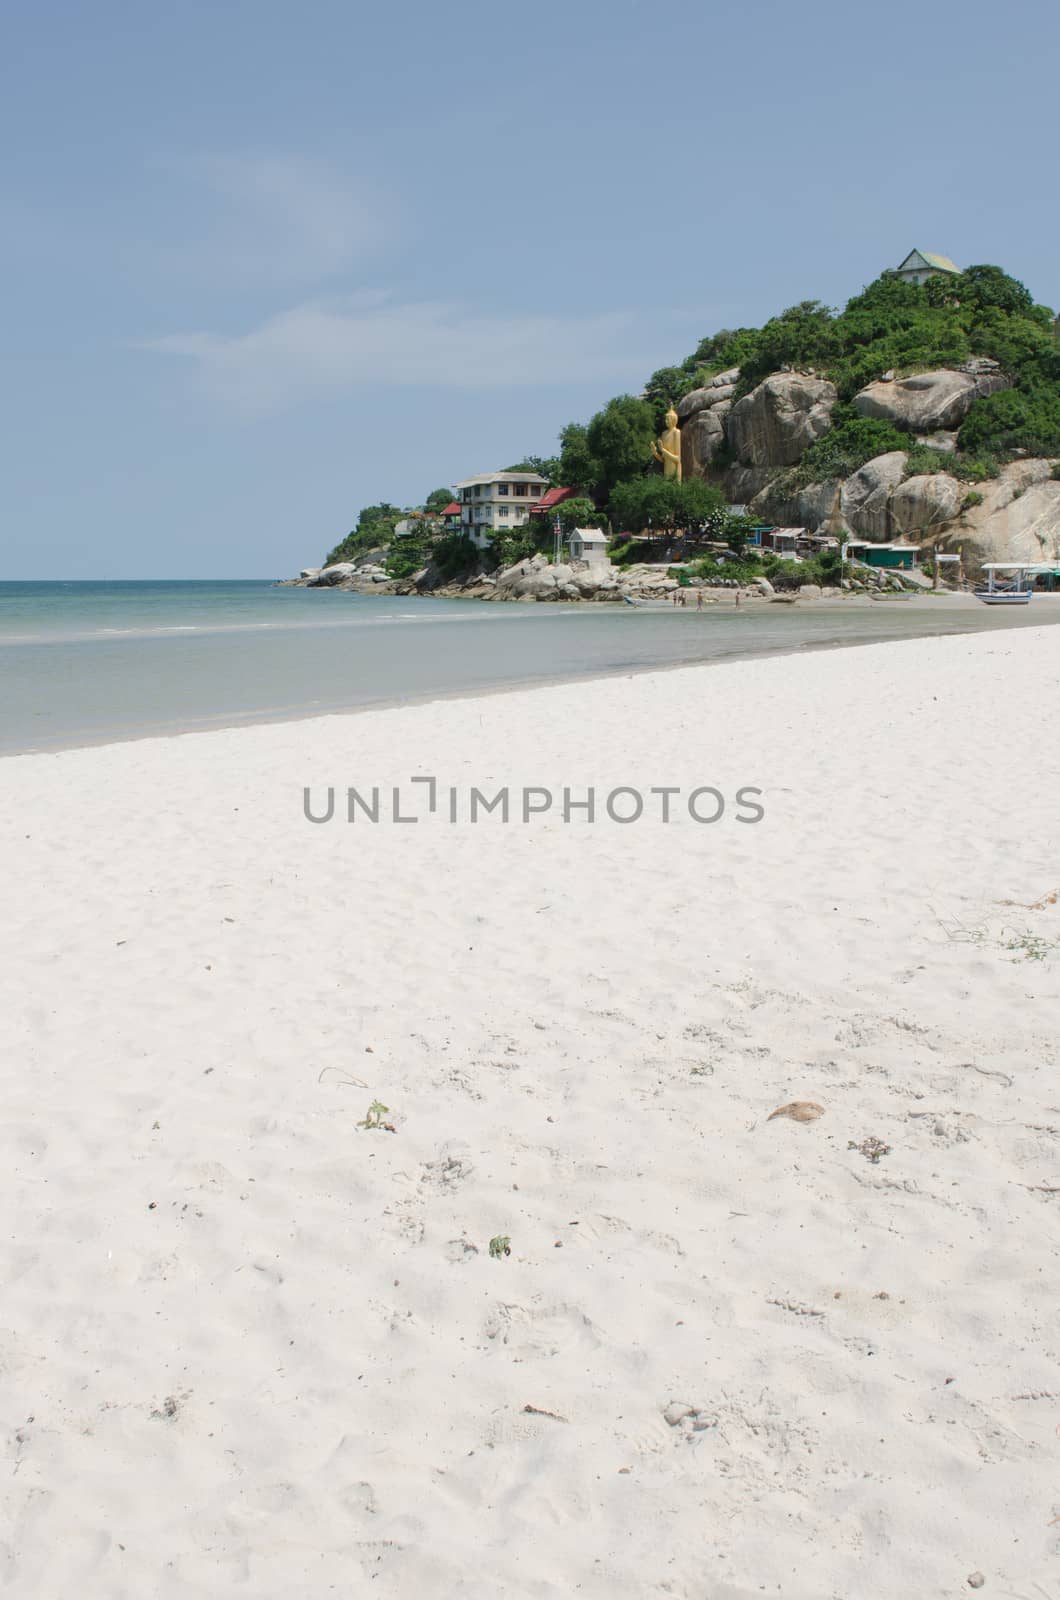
[278, 219]
[370, 340]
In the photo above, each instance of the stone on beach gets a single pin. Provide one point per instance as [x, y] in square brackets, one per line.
[798, 1111]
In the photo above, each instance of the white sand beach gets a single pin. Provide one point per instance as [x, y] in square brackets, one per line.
[249, 1347]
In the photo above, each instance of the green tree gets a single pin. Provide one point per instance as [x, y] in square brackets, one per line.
[801, 336]
[1012, 420]
[988, 287]
[375, 526]
[664, 388]
[455, 553]
[547, 466]
[663, 503]
[730, 526]
[578, 467]
[579, 512]
[620, 438]
[727, 348]
[437, 500]
[405, 557]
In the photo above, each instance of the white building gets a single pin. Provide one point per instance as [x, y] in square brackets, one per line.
[920, 265]
[588, 544]
[496, 501]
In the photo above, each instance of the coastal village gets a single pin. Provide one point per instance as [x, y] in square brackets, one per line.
[909, 444]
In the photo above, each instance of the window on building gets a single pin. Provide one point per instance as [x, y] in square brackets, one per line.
[502, 511]
[502, 488]
[522, 488]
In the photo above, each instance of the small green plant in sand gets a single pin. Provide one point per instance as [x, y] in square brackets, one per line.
[1028, 946]
[1023, 943]
[872, 1149]
[501, 1245]
[377, 1111]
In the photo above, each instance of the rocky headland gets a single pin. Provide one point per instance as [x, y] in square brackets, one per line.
[753, 449]
[920, 414]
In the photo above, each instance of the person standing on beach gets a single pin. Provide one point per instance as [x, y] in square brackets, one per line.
[699, 601]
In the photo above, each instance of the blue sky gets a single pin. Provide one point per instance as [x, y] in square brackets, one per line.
[265, 263]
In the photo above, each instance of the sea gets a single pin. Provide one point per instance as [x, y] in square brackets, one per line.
[89, 663]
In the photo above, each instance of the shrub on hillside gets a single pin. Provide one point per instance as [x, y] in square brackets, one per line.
[1014, 419]
[851, 442]
[405, 557]
[710, 569]
[455, 553]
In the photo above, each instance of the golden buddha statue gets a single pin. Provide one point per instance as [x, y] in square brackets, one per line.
[668, 447]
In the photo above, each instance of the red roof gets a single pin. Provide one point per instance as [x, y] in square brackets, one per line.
[552, 498]
[451, 510]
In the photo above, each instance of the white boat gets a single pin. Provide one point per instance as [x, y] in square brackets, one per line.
[1008, 583]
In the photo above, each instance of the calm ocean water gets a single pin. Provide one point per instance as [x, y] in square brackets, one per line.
[82, 663]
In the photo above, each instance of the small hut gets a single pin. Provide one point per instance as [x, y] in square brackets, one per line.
[588, 544]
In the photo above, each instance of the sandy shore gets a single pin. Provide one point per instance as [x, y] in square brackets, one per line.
[250, 1347]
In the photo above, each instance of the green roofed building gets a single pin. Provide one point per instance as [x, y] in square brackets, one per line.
[920, 265]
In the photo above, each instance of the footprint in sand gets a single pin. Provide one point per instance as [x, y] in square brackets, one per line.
[546, 1330]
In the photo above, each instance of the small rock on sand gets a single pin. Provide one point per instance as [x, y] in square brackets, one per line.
[798, 1111]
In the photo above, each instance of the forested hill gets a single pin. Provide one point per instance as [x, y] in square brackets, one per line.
[891, 327]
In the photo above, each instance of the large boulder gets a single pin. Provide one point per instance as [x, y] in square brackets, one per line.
[928, 400]
[1017, 520]
[865, 497]
[713, 394]
[774, 424]
[695, 400]
[721, 387]
[944, 440]
[702, 438]
[924, 502]
[328, 577]
[820, 506]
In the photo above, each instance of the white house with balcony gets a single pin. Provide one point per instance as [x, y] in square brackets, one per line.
[495, 502]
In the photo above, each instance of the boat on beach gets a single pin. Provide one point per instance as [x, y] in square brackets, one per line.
[1008, 584]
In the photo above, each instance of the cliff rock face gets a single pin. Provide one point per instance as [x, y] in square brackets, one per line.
[813, 507]
[743, 483]
[874, 502]
[1019, 519]
[866, 495]
[922, 503]
[701, 415]
[782, 417]
[930, 400]
[720, 387]
[702, 438]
